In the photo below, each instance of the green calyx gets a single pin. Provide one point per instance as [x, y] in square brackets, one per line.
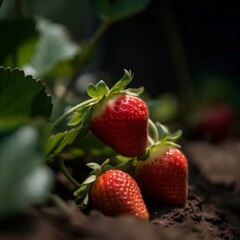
[80, 114]
[101, 90]
[160, 134]
[82, 193]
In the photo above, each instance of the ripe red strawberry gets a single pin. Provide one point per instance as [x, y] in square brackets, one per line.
[115, 192]
[164, 175]
[121, 122]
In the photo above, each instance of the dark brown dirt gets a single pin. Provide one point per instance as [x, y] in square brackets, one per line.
[212, 211]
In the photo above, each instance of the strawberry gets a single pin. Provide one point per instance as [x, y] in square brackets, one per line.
[121, 121]
[111, 191]
[117, 116]
[115, 192]
[163, 175]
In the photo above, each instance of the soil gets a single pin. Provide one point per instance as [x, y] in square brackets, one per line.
[212, 211]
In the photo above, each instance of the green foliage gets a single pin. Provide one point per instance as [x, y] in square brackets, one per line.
[122, 83]
[40, 47]
[97, 91]
[60, 141]
[80, 117]
[23, 178]
[163, 135]
[115, 10]
[22, 96]
[54, 46]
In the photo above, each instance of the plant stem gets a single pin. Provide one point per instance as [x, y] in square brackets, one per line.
[87, 50]
[150, 140]
[154, 130]
[72, 110]
[67, 174]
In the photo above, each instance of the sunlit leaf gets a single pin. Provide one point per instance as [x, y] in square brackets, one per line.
[122, 83]
[102, 88]
[54, 46]
[92, 91]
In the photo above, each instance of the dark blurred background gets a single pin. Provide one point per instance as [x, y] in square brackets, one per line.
[202, 36]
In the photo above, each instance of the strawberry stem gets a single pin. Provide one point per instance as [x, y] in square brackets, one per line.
[152, 127]
[67, 174]
[150, 140]
[72, 110]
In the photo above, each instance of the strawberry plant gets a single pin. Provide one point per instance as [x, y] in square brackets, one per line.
[39, 131]
[24, 110]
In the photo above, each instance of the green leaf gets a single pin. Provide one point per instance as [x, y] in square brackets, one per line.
[89, 180]
[59, 142]
[81, 192]
[24, 180]
[121, 158]
[134, 91]
[166, 137]
[93, 165]
[114, 10]
[54, 46]
[17, 41]
[92, 91]
[86, 199]
[9, 123]
[97, 91]
[162, 130]
[22, 96]
[79, 116]
[102, 88]
[1, 1]
[76, 119]
[174, 136]
[122, 83]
